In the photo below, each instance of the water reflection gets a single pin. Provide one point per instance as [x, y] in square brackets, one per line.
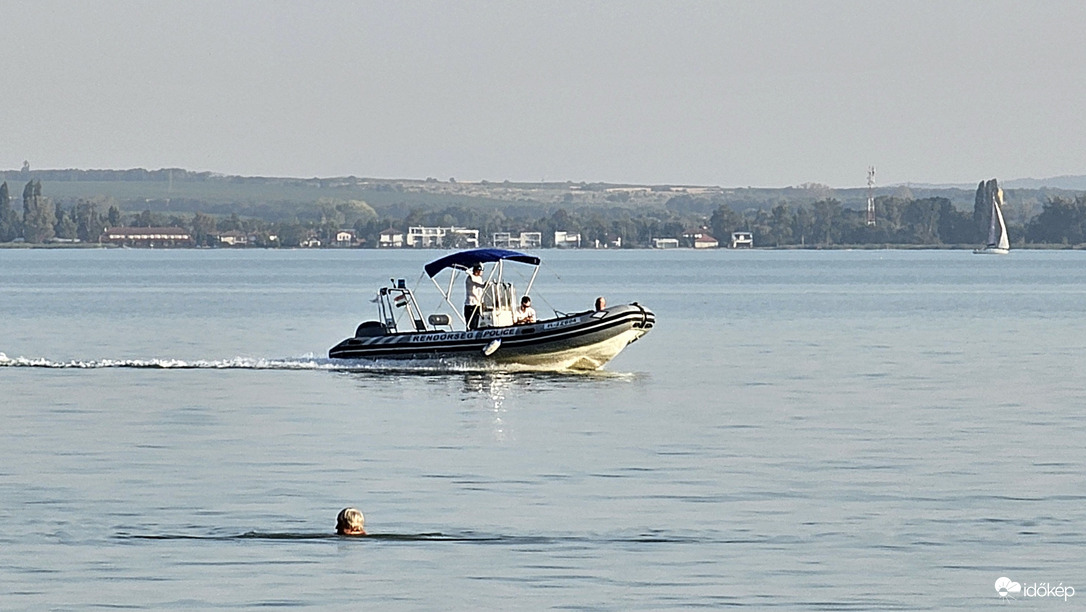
[488, 398]
[491, 388]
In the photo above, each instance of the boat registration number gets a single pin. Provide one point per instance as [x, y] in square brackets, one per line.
[558, 324]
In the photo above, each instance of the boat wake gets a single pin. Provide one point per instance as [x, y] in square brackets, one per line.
[236, 363]
[469, 537]
[305, 362]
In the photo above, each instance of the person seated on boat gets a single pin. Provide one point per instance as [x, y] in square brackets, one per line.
[600, 303]
[350, 521]
[473, 298]
[524, 313]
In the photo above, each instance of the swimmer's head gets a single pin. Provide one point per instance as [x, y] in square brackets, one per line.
[350, 522]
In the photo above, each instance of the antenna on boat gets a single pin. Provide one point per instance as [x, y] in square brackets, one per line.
[871, 196]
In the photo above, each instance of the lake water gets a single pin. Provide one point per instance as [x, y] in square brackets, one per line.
[870, 430]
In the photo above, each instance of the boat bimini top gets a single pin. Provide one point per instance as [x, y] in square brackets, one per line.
[464, 260]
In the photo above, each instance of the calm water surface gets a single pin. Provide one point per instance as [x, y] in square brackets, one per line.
[874, 430]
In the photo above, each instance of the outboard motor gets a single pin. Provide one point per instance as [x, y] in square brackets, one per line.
[370, 328]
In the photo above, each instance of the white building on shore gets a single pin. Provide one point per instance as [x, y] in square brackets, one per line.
[526, 240]
[564, 240]
[421, 237]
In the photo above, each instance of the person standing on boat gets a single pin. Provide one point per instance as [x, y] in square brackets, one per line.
[350, 521]
[600, 303]
[473, 299]
[524, 313]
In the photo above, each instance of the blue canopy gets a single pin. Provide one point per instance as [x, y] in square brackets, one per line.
[466, 259]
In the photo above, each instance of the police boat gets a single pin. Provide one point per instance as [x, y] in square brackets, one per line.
[567, 341]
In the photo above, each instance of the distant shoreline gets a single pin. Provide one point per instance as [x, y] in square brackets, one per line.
[834, 247]
[56, 245]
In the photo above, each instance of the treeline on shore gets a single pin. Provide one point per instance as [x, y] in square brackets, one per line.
[904, 221]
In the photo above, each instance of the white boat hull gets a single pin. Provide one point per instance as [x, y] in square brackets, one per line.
[584, 341]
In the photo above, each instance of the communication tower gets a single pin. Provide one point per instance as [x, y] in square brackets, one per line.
[871, 196]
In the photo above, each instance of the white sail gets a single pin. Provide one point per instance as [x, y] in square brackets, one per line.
[997, 213]
[998, 242]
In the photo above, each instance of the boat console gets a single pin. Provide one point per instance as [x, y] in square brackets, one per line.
[499, 299]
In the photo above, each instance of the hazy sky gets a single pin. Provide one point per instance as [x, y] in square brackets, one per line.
[712, 93]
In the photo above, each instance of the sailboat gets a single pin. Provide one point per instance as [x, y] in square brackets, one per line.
[998, 243]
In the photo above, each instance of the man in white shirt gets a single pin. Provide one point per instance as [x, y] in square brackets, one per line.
[473, 298]
[524, 313]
